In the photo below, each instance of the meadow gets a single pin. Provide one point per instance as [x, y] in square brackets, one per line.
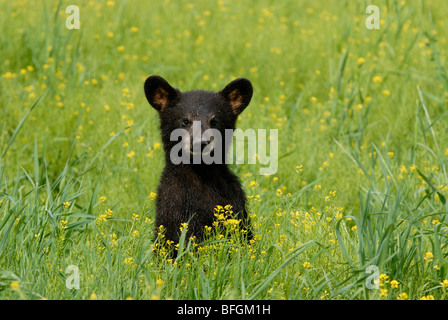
[356, 210]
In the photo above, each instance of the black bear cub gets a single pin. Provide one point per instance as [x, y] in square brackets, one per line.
[189, 189]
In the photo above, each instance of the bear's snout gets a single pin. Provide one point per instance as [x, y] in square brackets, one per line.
[202, 145]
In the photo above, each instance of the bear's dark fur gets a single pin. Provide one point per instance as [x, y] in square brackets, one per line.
[191, 192]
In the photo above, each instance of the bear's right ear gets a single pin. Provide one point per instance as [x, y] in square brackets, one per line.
[238, 93]
[159, 92]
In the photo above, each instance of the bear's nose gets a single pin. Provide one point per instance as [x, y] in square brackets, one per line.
[199, 144]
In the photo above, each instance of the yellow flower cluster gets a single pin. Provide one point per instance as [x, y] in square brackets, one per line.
[103, 217]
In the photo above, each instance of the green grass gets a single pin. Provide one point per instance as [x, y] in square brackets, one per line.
[363, 111]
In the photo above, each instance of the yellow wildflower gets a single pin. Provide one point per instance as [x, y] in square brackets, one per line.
[157, 145]
[377, 79]
[15, 286]
[429, 256]
[64, 224]
[131, 154]
[403, 296]
[394, 284]
[360, 60]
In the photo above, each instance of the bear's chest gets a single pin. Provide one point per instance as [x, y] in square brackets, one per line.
[208, 193]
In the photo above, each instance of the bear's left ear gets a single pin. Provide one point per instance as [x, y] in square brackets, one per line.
[238, 93]
[159, 92]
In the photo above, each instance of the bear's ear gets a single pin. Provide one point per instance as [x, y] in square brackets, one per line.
[238, 93]
[159, 92]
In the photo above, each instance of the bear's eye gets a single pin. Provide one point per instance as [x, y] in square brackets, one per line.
[213, 123]
[185, 122]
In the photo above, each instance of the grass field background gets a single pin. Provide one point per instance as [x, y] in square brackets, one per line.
[363, 148]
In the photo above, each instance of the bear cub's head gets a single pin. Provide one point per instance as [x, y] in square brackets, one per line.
[197, 122]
